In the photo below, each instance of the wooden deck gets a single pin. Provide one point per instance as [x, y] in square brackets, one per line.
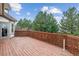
[26, 46]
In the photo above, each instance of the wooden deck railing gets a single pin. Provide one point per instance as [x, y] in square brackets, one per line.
[71, 43]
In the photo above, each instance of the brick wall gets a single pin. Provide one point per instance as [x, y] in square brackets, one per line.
[72, 42]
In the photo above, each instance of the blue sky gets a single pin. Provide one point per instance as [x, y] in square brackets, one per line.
[30, 10]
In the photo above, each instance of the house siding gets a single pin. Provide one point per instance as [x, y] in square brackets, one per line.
[8, 26]
[2, 19]
[6, 19]
[11, 34]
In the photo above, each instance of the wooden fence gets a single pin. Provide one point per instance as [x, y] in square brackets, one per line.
[71, 43]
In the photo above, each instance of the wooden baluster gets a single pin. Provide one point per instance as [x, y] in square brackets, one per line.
[64, 44]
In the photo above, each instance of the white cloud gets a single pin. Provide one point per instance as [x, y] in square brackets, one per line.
[52, 10]
[28, 13]
[44, 8]
[16, 7]
[58, 18]
[18, 13]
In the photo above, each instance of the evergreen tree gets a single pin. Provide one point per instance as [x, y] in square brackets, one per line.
[45, 22]
[68, 22]
[77, 25]
[24, 23]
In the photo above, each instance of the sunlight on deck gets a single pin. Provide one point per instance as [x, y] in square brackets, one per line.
[26, 46]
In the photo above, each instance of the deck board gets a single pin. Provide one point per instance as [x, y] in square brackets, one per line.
[26, 46]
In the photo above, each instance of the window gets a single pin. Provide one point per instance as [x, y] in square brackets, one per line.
[6, 10]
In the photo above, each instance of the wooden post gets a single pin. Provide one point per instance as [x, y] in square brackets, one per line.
[63, 44]
[78, 45]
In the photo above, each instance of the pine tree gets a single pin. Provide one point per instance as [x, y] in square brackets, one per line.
[68, 21]
[45, 22]
[24, 23]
